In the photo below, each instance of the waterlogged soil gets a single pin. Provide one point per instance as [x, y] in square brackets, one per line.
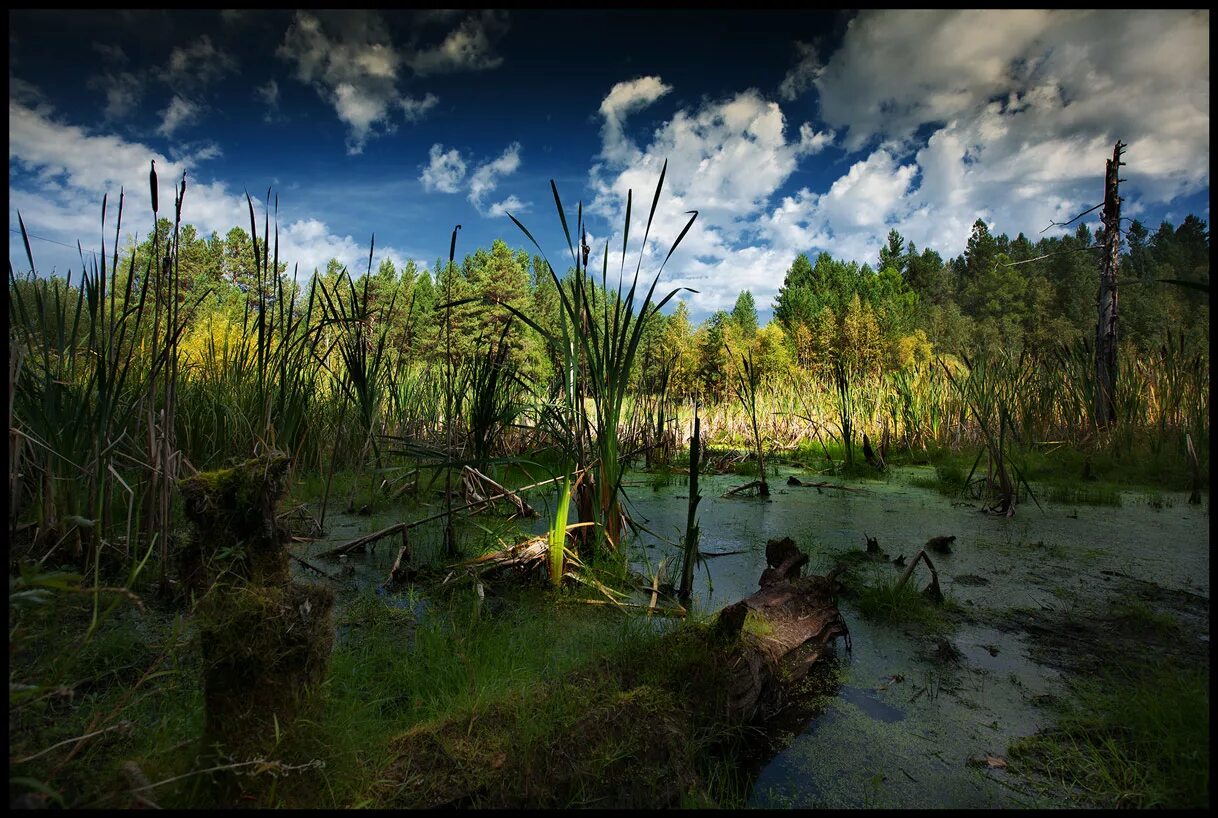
[910, 716]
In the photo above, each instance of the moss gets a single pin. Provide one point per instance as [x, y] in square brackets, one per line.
[757, 625]
[233, 511]
[641, 728]
[569, 745]
[265, 650]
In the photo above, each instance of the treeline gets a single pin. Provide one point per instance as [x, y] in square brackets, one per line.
[998, 294]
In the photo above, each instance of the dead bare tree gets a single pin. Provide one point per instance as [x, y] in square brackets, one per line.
[1106, 327]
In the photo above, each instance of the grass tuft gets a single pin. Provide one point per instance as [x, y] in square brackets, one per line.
[1134, 738]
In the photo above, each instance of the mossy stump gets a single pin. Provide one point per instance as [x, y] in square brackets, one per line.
[236, 533]
[265, 650]
[265, 640]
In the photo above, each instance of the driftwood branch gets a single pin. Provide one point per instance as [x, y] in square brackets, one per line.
[932, 590]
[797, 483]
[359, 544]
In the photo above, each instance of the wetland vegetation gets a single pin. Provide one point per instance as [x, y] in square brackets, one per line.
[483, 467]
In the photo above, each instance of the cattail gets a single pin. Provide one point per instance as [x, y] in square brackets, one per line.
[152, 185]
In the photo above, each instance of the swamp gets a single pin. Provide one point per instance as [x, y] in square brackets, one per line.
[514, 529]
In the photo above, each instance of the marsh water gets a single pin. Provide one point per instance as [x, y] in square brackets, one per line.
[900, 727]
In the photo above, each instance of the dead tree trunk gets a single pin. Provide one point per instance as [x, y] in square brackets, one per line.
[691, 525]
[1106, 327]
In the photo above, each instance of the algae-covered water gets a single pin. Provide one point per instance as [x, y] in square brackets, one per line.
[903, 728]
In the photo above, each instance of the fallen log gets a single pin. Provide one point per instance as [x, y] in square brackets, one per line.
[630, 742]
[797, 483]
[360, 544]
[760, 485]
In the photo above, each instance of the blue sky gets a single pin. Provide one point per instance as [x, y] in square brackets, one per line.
[792, 132]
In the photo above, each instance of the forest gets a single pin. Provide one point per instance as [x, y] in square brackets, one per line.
[571, 482]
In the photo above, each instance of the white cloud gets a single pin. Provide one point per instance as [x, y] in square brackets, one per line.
[111, 53]
[811, 141]
[351, 60]
[444, 172]
[469, 47]
[416, 109]
[801, 77]
[199, 64]
[622, 100]
[945, 117]
[353, 65]
[310, 244]
[25, 92]
[486, 178]
[726, 159]
[70, 169]
[1023, 107]
[123, 91]
[178, 113]
[269, 93]
[509, 205]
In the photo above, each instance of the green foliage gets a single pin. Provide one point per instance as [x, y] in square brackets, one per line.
[1137, 737]
[882, 601]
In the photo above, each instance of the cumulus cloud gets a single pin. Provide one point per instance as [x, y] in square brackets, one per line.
[59, 173]
[802, 75]
[445, 170]
[622, 100]
[942, 117]
[269, 93]
[812, 141]
[179, 112]
[1022, 107]
[123, 91]
[469, 47]
[509, 205]
[416, 109]
[350, 58]
[351, 61]
[726, 158]
[198, 65]
[486, 178]
[111, 53]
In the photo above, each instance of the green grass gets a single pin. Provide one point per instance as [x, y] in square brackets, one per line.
[1146, 619]
[504, 666]
[1084, 494]
[390, 674]
[880, 601]
[948, 480]
[1061, 468]
[1133, 738]
[136, 678]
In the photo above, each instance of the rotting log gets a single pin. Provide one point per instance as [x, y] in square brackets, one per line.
[782, 629]
[632, 744]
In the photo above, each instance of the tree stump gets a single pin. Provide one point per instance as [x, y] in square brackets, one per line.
[265, 640]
